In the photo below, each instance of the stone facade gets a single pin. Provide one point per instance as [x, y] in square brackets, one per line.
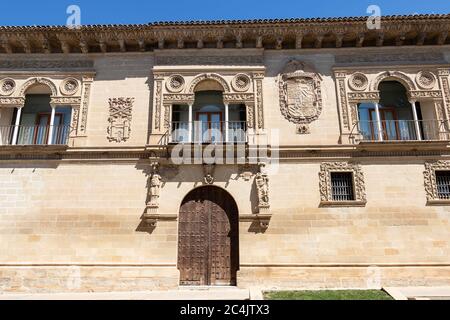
[100, 212]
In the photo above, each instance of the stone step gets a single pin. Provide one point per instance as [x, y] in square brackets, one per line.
[204, 293]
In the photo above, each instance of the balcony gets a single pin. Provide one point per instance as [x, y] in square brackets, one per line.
[400, 130]
[210, 132]
[34, 135]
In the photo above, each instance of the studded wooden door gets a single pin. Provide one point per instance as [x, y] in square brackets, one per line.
[208, 238]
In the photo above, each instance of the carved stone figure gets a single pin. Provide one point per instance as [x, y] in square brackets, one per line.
[120, 110]
[262, 185]
[300, 93]
[155, 185]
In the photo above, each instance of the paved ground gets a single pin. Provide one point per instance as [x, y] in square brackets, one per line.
[419, 293]
[181, 294]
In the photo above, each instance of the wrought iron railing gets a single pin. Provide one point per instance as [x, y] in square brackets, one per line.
[34, 135]
[400, 130]
[208, 132]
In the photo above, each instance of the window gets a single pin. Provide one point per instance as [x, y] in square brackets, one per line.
[443, 184]
[437, 182]
[342, 186]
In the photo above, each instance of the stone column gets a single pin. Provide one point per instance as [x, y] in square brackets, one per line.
[52, 123]
[226, 122]
[378, 120]
[16, 125]
[416, 120]
[190, 123]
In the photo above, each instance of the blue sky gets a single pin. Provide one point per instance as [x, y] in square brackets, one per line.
[53, 12]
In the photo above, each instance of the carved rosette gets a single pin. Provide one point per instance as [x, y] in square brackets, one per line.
[358, 81]
[241, 82]
[175, 83]
[426, 80]
[300, 93]
[69, 87]
[120, 114]
[430, 179]
[7, 86]
[327, 168]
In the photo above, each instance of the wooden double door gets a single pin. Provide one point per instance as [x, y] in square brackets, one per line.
[208, 253]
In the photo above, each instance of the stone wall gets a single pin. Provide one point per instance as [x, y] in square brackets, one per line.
[64, 223]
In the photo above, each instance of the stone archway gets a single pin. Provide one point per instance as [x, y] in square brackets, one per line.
[208, 238]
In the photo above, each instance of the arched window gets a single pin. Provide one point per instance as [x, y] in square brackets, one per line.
[394, 117]
[209, 119]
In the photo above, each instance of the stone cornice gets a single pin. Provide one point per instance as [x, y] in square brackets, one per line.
[268, 34]
[378, 150]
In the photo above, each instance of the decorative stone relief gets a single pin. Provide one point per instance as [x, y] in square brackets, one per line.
[158, 93]
[207, 76]
[241, 82]
[325, 181]
[120, 112]
[33, 81]
[430, 179]
[175, 83]
[426, 80]
[7, 86]
[399, 76]
[260, 104]
[358, 81]
[208, 172]
[87, 82]
[69, 86]
[300, 93]
[262, 187]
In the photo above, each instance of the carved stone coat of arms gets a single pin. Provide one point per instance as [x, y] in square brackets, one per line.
[120, 119]
[300, 94]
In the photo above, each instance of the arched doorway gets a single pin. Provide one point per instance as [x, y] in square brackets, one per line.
[208, 238]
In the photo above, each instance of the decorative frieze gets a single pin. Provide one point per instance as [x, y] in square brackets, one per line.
[387, 58]
[120, 115]
[325, 187]
[248, 60]
[238, 97]
[47, 65]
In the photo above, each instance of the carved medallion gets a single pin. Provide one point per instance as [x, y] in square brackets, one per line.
[358, 82]
[7, 86]
[300, 93]
[175, 83]
[120, 110]
[425, 80]
[69, 86]
[241, 82]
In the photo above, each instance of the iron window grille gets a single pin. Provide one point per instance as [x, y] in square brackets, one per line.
[342, 186]
[443, 184]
